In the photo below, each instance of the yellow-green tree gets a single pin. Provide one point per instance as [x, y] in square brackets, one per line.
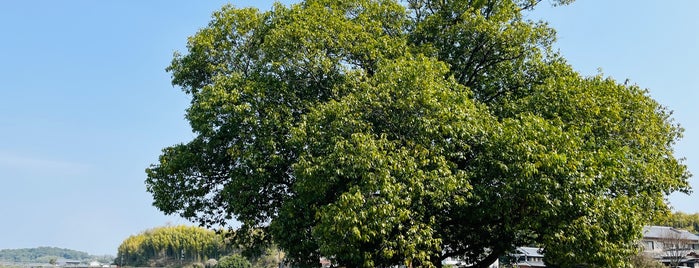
[171, 245]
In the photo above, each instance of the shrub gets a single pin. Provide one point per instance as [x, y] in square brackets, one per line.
[234, 261]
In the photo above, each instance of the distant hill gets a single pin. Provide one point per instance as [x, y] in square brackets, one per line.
[46, 254]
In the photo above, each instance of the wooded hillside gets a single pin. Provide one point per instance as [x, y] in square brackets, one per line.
[46, 254]
[681, 220]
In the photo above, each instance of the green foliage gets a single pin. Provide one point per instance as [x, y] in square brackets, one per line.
[233, 261]
[377, 134]
[166, 246]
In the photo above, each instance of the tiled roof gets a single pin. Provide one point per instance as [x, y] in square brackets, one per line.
[667, 232]
[530, 251]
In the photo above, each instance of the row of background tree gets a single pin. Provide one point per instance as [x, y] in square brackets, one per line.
[195, 246]
[681, 220]
[189, 246]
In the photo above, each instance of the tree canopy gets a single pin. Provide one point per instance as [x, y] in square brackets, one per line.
[381, 132]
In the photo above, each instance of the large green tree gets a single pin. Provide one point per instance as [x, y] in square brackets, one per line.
[380, 132]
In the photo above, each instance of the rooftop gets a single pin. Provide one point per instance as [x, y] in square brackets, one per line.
[668, 232]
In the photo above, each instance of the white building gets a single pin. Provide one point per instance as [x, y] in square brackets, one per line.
[528, 257]
[671, 246]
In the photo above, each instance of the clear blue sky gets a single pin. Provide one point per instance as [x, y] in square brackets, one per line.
[86, 106]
